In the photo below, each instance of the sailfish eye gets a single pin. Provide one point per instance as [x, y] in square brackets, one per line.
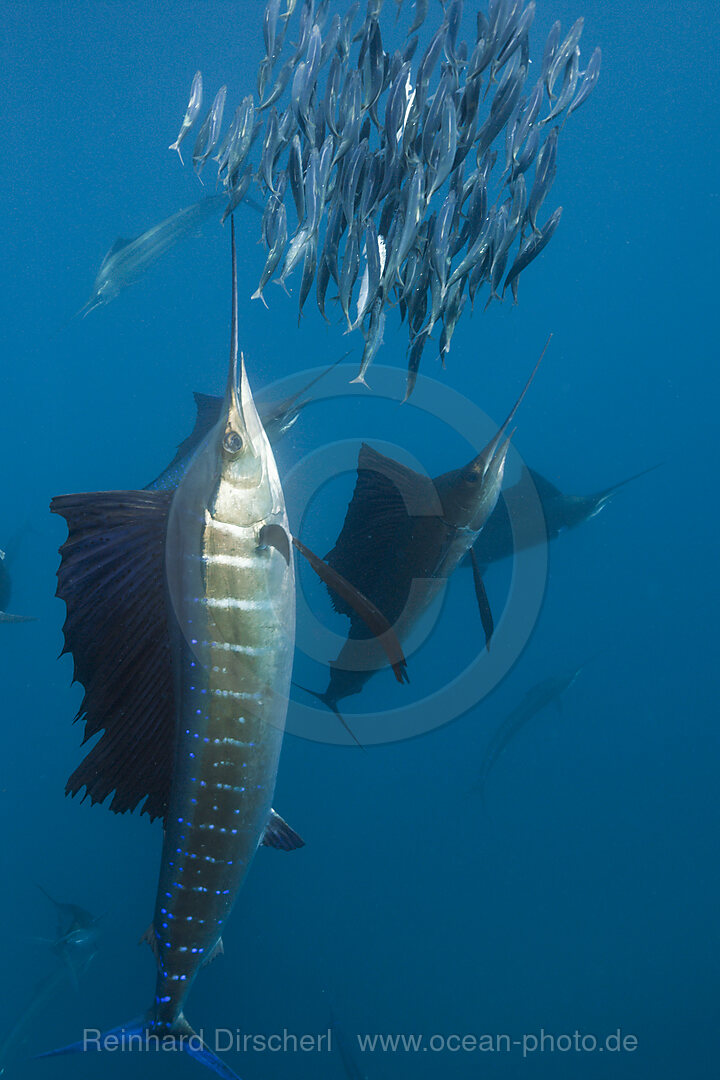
[232, 442]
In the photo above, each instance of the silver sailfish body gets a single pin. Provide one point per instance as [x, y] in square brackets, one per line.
[181, 621]
[230, 582]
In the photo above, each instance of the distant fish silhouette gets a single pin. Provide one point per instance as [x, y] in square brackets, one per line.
[127, 260]
[75, 945]
[5, 592]
[537, 698]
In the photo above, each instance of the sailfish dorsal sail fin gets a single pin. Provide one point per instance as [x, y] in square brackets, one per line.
[207, 414]
[118, 245]
[111, 578]
[545, 489]
[379, 549]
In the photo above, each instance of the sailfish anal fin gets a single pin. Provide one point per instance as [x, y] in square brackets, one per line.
[218, 949]
[278, 834]
[111, 578]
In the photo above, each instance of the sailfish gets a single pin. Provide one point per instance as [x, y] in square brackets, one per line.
[403, 537]
[181, 622]
[538, 697]
[128, 259]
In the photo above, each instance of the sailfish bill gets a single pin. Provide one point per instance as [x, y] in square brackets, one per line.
[181, 623]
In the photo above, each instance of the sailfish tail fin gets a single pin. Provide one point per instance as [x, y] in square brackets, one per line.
[332, 705]
[141, 1033]
[608, 492]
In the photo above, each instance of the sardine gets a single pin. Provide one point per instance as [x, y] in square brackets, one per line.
[567, 91]
[270, 20]
[277, 250]
[348, 274]
[373, 340]
[308, 274]
[193, 108]
[442, 158]
[209, 132]
[269, 150]
[441, 238]
[544, 175]
[295, 176]
[421, 10]
[590, 79]
[240, 147]
[279, 86]
[561, 56]
[532, 248]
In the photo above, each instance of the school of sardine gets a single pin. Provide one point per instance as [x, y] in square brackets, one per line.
[406, 180]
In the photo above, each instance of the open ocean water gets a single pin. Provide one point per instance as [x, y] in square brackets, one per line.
[581, 893]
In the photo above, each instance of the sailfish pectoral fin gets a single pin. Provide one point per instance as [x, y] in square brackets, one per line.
[482, 599]
[373, 618]
[275, 536]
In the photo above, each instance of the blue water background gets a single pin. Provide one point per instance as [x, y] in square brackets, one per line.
[587, 897]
